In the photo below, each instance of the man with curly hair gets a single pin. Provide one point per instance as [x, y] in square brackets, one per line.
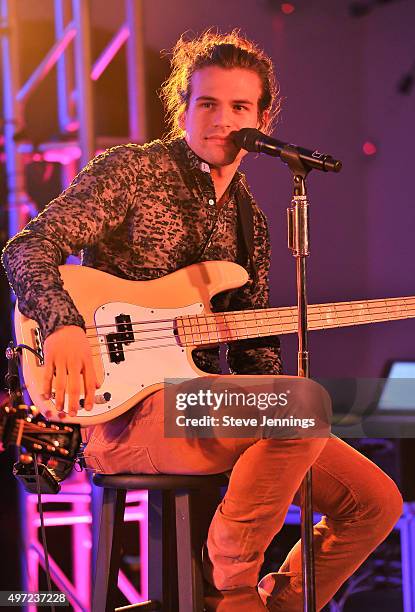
[141, 212]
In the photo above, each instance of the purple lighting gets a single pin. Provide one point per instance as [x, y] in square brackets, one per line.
[76, 492]
[110, 50]
[48, 62]
[63, 155]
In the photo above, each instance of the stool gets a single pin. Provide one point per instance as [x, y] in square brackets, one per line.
[180, 509]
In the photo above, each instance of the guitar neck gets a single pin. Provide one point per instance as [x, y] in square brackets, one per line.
[230, 326]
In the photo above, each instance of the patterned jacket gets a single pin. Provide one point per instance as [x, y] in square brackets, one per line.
[140, 212]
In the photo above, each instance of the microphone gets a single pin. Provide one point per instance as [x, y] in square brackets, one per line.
[254, 140]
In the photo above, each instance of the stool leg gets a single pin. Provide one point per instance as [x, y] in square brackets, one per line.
[155, 545]
[109, 550]
[189, 567]
[162, 583]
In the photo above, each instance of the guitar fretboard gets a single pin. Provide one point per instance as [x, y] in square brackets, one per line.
[230, 326]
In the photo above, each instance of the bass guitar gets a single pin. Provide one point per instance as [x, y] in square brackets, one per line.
[143, 332]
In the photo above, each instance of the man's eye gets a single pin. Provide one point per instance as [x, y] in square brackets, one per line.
[207, 104]
[239, 107]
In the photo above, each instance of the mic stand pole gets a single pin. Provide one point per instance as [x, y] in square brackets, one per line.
[298, 243]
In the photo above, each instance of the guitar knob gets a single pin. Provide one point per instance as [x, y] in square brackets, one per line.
[98, 399]
[102, 399]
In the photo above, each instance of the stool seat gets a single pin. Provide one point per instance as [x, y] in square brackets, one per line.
[165, 482]
[180, 508]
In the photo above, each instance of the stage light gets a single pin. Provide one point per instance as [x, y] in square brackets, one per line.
[369, 148]
[287, 8]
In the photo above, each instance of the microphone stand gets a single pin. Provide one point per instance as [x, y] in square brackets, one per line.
[298, 243]
[301, 162]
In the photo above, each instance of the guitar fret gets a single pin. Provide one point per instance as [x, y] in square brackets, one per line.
[189, 335]
[235, 326]
[198, 333]
[321, 317]
[280, 323]
[385, 307]
[292, 321]
[204, 325]
[388, 308]
[269, 326]
[393, 308]
[224, 328]
[227, 328]
[207, 329]
[189, 325]
[216, 327]
[246, 327]
[259, 323]
[333, 315]
[340, 314]
[406, 305]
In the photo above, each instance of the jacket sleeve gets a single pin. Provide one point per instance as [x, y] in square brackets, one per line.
[96, 202]
[256, 355]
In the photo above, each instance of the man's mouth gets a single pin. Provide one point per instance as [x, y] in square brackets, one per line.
[219, 139]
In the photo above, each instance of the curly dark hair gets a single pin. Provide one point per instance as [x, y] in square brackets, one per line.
[230, 50]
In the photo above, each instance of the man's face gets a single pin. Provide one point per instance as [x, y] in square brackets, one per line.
[222, 101]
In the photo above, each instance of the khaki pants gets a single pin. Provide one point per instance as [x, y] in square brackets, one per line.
[360, 504]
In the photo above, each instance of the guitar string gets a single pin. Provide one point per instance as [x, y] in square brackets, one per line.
[192, 339]
[265, 320]
[109, 351]
[284, 311]
[221, 329]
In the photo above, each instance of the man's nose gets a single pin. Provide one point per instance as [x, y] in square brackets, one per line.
[222, 117]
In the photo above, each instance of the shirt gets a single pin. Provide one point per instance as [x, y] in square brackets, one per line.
[140, 212]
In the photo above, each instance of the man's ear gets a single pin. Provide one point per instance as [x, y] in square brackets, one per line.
[263, 120]
[181, 120]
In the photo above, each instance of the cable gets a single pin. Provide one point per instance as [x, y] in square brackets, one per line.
[42, 530]
[29, 348]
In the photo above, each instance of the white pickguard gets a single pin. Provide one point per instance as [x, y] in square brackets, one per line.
[153, 357]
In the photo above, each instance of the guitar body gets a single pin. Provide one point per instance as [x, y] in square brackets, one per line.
[130, 361]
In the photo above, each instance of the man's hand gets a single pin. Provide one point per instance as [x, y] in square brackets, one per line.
[68, 355]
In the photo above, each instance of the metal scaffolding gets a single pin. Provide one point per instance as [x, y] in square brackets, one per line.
[71, 54]
[76, 498]
[76, 71]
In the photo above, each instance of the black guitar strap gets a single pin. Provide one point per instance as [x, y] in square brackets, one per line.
[246, 228]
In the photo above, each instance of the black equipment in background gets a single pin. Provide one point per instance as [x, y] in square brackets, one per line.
[395, 456]
[38, 440]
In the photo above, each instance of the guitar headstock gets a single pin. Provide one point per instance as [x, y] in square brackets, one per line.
[24, 426]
